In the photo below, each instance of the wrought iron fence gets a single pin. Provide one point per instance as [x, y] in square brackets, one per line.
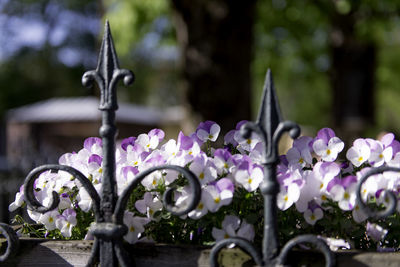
[108, 228]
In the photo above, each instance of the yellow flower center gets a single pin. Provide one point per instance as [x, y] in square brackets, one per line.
[321, 185]
[100, 170]
[346, 195]
[226, 166]
[312, 217]
[135, 163]
[248, 141]
[249, 181]
[200, 206]
[301, 160]
[154, 182]
[226, 236]
[51, 219]
[131, 229]
[328, 151]
[151, 212]
[324, 198]
[217, 200]
[286, 198]
[210, 136]
[201, 175]
[360, 159]
[190, 153]
[380, 156]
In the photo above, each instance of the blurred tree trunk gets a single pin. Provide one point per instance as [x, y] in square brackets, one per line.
[216, 37]
[352, 76]
[353, 88]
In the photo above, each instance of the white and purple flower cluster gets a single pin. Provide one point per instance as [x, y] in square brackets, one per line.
[219, 173]
[309, 176]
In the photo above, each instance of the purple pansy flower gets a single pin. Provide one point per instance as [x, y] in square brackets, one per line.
[389, 141]
[313, 213]
[376, 232]
[157, 132]
[130, 141]
[223, 160]
[229, 138]
[225, 184]
[359, 152]
[95, 158]
[343, 192]
[300, 153]
[327, 145]
[91, 141]
[184, 142]
[208, 130]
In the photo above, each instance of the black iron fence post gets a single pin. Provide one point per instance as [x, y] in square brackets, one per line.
[108, 228]
[270, 127]
[107, 75]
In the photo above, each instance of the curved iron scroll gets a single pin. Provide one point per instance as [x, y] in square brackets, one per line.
[12, 241]
[35, 205]
[114, 231]
[391, 197]
[243, 244]
[304, 239]
[167, 198]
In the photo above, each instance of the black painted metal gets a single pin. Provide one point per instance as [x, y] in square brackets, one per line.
[270, 127]
[391, 197]
[12, 241]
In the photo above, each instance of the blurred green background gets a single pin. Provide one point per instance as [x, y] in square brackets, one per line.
[336, 63]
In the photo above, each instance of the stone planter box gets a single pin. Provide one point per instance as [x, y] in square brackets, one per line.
[43, 252]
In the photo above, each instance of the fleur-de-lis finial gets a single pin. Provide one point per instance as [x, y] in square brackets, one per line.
[270, 125]
[107, 73]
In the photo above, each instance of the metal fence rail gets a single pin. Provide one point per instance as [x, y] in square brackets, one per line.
[108, 208]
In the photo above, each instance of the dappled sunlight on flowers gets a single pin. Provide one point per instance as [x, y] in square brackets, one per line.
[317, 187]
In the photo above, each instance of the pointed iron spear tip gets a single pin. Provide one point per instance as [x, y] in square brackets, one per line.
[269, 110]
[261, 114]
[106, 28]
[107, 49]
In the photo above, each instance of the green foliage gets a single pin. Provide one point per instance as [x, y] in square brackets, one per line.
[295, 48]
[294, 38]
[131, 23]
[131, 20]
[388, 95]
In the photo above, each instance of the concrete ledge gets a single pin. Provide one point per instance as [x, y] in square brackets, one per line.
[46, 253]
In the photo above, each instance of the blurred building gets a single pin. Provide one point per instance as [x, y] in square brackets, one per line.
[41, 132]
